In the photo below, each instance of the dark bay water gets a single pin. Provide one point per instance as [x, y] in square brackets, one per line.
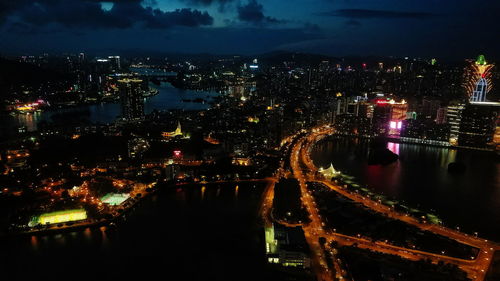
[420, 178]
[193, 233]
[168, 98]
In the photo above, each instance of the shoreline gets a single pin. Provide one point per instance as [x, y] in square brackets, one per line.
[154, 91]
[441, 213]
[398, 140]
[82, 225]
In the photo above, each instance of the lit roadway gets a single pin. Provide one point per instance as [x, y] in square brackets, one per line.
[314, 229]
[476, 267]
[267, 203]
[222, 181]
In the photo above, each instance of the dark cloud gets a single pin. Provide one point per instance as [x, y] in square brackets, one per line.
[71, 14]
[183, 17]
[7, 6]
[352, 22]
[222, 4]
[253, 12]
[89, 13]
[377, 14]
[207, 2]
[21, 28]
[311, 27]
[237, 40]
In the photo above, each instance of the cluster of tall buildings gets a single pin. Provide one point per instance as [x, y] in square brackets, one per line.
[478, 124]
[470, 123]
[473, 122]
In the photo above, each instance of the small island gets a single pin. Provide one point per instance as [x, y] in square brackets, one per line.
[380, 155]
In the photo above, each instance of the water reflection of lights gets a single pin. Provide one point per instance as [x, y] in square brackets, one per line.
[87, 233]
[34, 242]
[394, 147]
[29, 120]
[104, 236]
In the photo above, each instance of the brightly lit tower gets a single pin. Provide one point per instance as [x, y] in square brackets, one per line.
[478, 79]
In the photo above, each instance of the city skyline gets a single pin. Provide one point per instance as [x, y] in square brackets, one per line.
[243, 140]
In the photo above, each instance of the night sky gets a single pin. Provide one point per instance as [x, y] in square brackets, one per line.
[453, 29]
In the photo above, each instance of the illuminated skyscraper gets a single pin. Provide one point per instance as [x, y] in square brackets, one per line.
[388, 116]
[454, 118]
[478, 125]
[115, 62]
[478, 79]
[131, 99]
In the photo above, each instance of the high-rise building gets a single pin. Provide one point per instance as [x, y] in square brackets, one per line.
[478, 124]
[398, 110]
[340, 104]
[454, 117]
[477, 78]
[81, 57]
[428, 108]
[131, 99]
[441, 115]
[388, 116]
[115, 62]
[324, 66]
[360, 108]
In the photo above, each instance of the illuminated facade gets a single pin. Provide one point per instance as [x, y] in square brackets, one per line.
[478, 79]
[496, 137]
[454, 118]
[177, 132]
[285, 247]
[30, 107]
[271, 243]
[241, 161]
[330, 172]
[478, 124]
[388, 116]
[62, 216]
[114, 199]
